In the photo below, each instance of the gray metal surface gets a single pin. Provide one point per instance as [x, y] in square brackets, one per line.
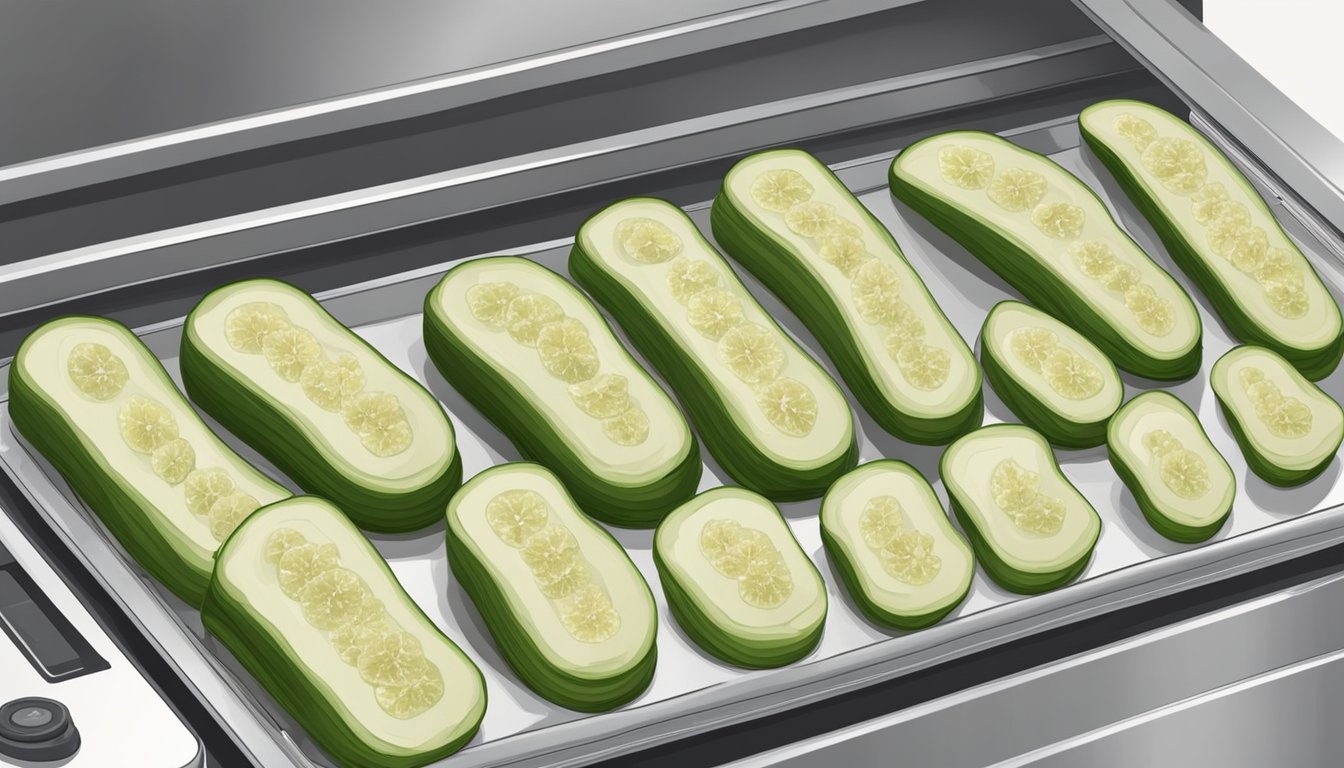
[691, 692]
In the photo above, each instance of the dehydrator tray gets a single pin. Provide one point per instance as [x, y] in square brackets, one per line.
[692, 692]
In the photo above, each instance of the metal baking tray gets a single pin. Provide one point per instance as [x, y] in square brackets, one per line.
[691, 692]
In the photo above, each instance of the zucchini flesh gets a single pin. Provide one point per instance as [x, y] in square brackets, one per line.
[736, 580]
[533, 354]
[783, 215]
[98, 405]
[899, 556]
[275, 368]
[1219, 231]
[1054, 379]
[770, 415]
[1030, 528]
[1288, 429]
[1182, 484]
[1044, 231]
[564, 604]
[312, 611]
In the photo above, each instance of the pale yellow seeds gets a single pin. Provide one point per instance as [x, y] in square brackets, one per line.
[1288, 299]
[1017, 189]
[905, 327]
[351, 639]
[1284, 416]
[966, 167]
[290, 350]
[877, 292]
[203, 487]
[908, 556]
[146, 424]
[882, 518]
[630, 427]
[924, 366]
[687, 277]
[844, 252]
[1070, 374]
[1032, 345]
[396, 658]
[717, 538]
[589, 616]
[527, 314]
[1121, 278]
[602, 397]
[228, 511]
[1155, 316]
[1208, 202]
[558, 583]
[1185, 473]
[750, 548]
[1016, 490]
[1161, 442]
[1136, 130]
[1177, 163]
[551, 551]
[407, 701]
[1093, 258]
[332, 598]
[96, 371]
[515, 515]
[780, 189]
[752, 353]
[1280, 267]
[388, 438]
[1059, 220]
[281, 541]
[812, 219]
[566, 351]
[647, 241]
[1243, 245]
[302, 563]
[489, 302]
[789, 405]
[173, 460]
[766, 584]
[380, 422]
[714, 312]
[247, 325]
[329, 383]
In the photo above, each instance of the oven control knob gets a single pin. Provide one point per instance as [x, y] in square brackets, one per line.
[37, 730]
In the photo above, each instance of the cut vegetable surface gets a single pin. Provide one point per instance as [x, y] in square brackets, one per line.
[534, 355]
[566, 607]
[1219, 230]
[1052, 238]
[789, 220]
[1181, 483]
[771, 416]
[1051, 376]
[1288, 429]
[901, 559]
[312, 611]
[98, 405]
[270, 364]
[737, 581]
[1031, 529]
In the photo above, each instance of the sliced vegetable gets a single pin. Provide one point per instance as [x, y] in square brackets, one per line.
[1288, 429]
[535, 356]
[1219, 230]
[312, 611]
[98, 405]
[1054, 379]
[789, 220]
[901, 559]
[737, 581]
[1031, 529]
[1052, 238]
[275, 368]
[768, 413]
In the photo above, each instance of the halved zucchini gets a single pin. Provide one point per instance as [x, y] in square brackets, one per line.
[275, 368]
[1288, 429]
[770, 415]
[1052, 238]
[98, 405]
[566, 607]
[787, 218]
[1182, 484]
[312, 611]
[1031, 529]
[736, 580]
[533, 354]
[1054, 379]
[901, 559]
[1219, 230]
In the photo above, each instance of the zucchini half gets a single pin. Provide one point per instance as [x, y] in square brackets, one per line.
[1288, 429]
[566, 607]
[1030, 528]
[1182, 484]
[311, 610]
[90, 396]
[1054, 379]
[901, 559]
[1048, 234]
[770, 415]
[275, 368]
[736, 580]
[534, 355]
[783, 215]
[1219, 230]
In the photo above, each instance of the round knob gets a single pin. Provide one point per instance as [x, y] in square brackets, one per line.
[37, 730]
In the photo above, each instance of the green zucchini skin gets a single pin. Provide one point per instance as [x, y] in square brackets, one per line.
[1002, 574]
[772, 262]
[272, 431]
[537, 440]
[1038, 286]
[725, 440]
[1184, 534]
[1315, 364]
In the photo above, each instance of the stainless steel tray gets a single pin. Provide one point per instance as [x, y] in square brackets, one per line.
[691, 692]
